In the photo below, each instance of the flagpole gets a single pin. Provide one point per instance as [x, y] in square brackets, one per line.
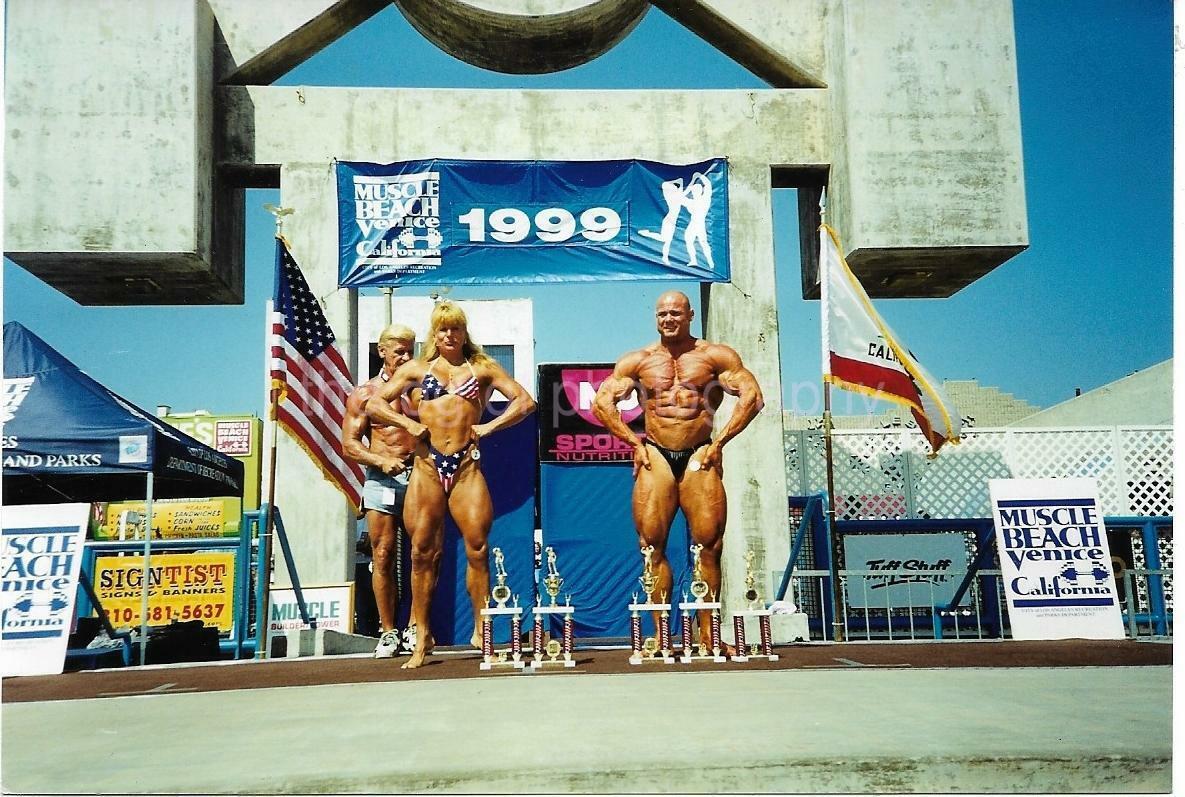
[833, 536]
[264, 573]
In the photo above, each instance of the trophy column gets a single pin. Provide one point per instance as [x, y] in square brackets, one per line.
[699, 590]
[758, 610]
[655, 649]
[509, 658]
[550, 654]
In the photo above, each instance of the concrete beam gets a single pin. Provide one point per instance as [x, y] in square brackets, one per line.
[524, 36]
[109, 152]
[263, 41]
[781, 43]
[927, 181]
[314, 124]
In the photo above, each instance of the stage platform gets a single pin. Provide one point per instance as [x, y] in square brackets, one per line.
[1069, 716]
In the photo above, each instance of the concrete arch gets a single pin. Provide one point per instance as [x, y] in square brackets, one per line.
[524, 37]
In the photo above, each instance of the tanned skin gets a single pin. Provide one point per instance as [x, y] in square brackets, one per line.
[681, 381]
[387, 448]
[449, 423]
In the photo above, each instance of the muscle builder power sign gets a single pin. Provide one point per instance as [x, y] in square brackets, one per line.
[568, 429]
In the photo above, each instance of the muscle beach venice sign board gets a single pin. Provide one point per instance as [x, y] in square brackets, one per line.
[1055, 560]
[442, 222]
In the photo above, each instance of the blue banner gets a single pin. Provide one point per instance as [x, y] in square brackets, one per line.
[458, 222]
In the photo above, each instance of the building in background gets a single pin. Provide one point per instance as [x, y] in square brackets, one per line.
[978, 405]
[1142, 397]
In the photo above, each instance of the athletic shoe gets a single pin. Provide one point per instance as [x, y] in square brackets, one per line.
[388, 645]
[409, 639]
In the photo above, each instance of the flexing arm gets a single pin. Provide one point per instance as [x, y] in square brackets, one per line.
[521, 404]
[385, 407]
[620, 384]
[737, 381]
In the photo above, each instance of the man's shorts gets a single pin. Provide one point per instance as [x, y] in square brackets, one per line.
[384, 493]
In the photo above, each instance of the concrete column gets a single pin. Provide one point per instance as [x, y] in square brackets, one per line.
[317, 517]
[743, 314]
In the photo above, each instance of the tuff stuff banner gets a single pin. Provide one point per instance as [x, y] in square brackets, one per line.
[441, 222]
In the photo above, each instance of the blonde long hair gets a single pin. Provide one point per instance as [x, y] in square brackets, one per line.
[447, 314]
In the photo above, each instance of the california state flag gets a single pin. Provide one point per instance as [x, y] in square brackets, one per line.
[862, 354]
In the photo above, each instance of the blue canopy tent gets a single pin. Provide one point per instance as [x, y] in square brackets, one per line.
[67, 438]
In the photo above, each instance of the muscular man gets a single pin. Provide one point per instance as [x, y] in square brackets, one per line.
[681, 381]
[386, 452]
[450, 384]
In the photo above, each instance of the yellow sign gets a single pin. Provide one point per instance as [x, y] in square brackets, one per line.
[236, 436]
[172, 518]
[181, 586]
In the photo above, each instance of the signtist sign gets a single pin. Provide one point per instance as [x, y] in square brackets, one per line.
[1055, 559]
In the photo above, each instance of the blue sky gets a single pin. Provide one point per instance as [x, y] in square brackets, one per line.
[1089, 302]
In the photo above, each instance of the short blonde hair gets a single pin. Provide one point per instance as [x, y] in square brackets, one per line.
[398, 332]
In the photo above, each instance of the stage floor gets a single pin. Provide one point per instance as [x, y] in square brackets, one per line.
[460, 663]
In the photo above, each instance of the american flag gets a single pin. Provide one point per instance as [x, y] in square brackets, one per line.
[311, 375]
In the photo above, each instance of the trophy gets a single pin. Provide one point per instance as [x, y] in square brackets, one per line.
[553, 649]
[699, 591]
[501, 594]
[658, 647]
[755, 608]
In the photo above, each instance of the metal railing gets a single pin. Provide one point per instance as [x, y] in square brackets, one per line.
[980, 614]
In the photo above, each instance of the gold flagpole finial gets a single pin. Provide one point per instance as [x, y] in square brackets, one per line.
[279, 213]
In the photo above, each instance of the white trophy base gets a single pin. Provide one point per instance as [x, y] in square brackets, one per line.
[662, 657]
[537, 662]
[509, 663]
[540, 664]
[695, 606]
[742, 656]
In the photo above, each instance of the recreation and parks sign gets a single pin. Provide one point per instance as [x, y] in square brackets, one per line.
[1055, 559]
[444, 222]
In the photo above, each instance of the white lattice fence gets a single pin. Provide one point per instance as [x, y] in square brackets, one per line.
[885, 473]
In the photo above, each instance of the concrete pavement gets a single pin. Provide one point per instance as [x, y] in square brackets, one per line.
[829, 730]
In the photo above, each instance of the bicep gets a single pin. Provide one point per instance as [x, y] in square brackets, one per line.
[734, 377]
[622, 382]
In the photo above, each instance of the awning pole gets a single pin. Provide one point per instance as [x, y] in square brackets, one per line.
[144, 574]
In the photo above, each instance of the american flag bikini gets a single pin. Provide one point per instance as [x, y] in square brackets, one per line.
[432, 388]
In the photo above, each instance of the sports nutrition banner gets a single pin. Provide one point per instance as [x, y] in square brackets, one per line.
[446, 222]
[1054, 559]
[568, 429]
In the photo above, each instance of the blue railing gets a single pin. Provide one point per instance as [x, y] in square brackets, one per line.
[983, 610]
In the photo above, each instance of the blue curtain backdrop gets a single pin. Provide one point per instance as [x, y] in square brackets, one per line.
[587, 519]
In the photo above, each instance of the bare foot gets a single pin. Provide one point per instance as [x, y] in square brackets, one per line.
[423, 650]
[475, 640]
[725, 648]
